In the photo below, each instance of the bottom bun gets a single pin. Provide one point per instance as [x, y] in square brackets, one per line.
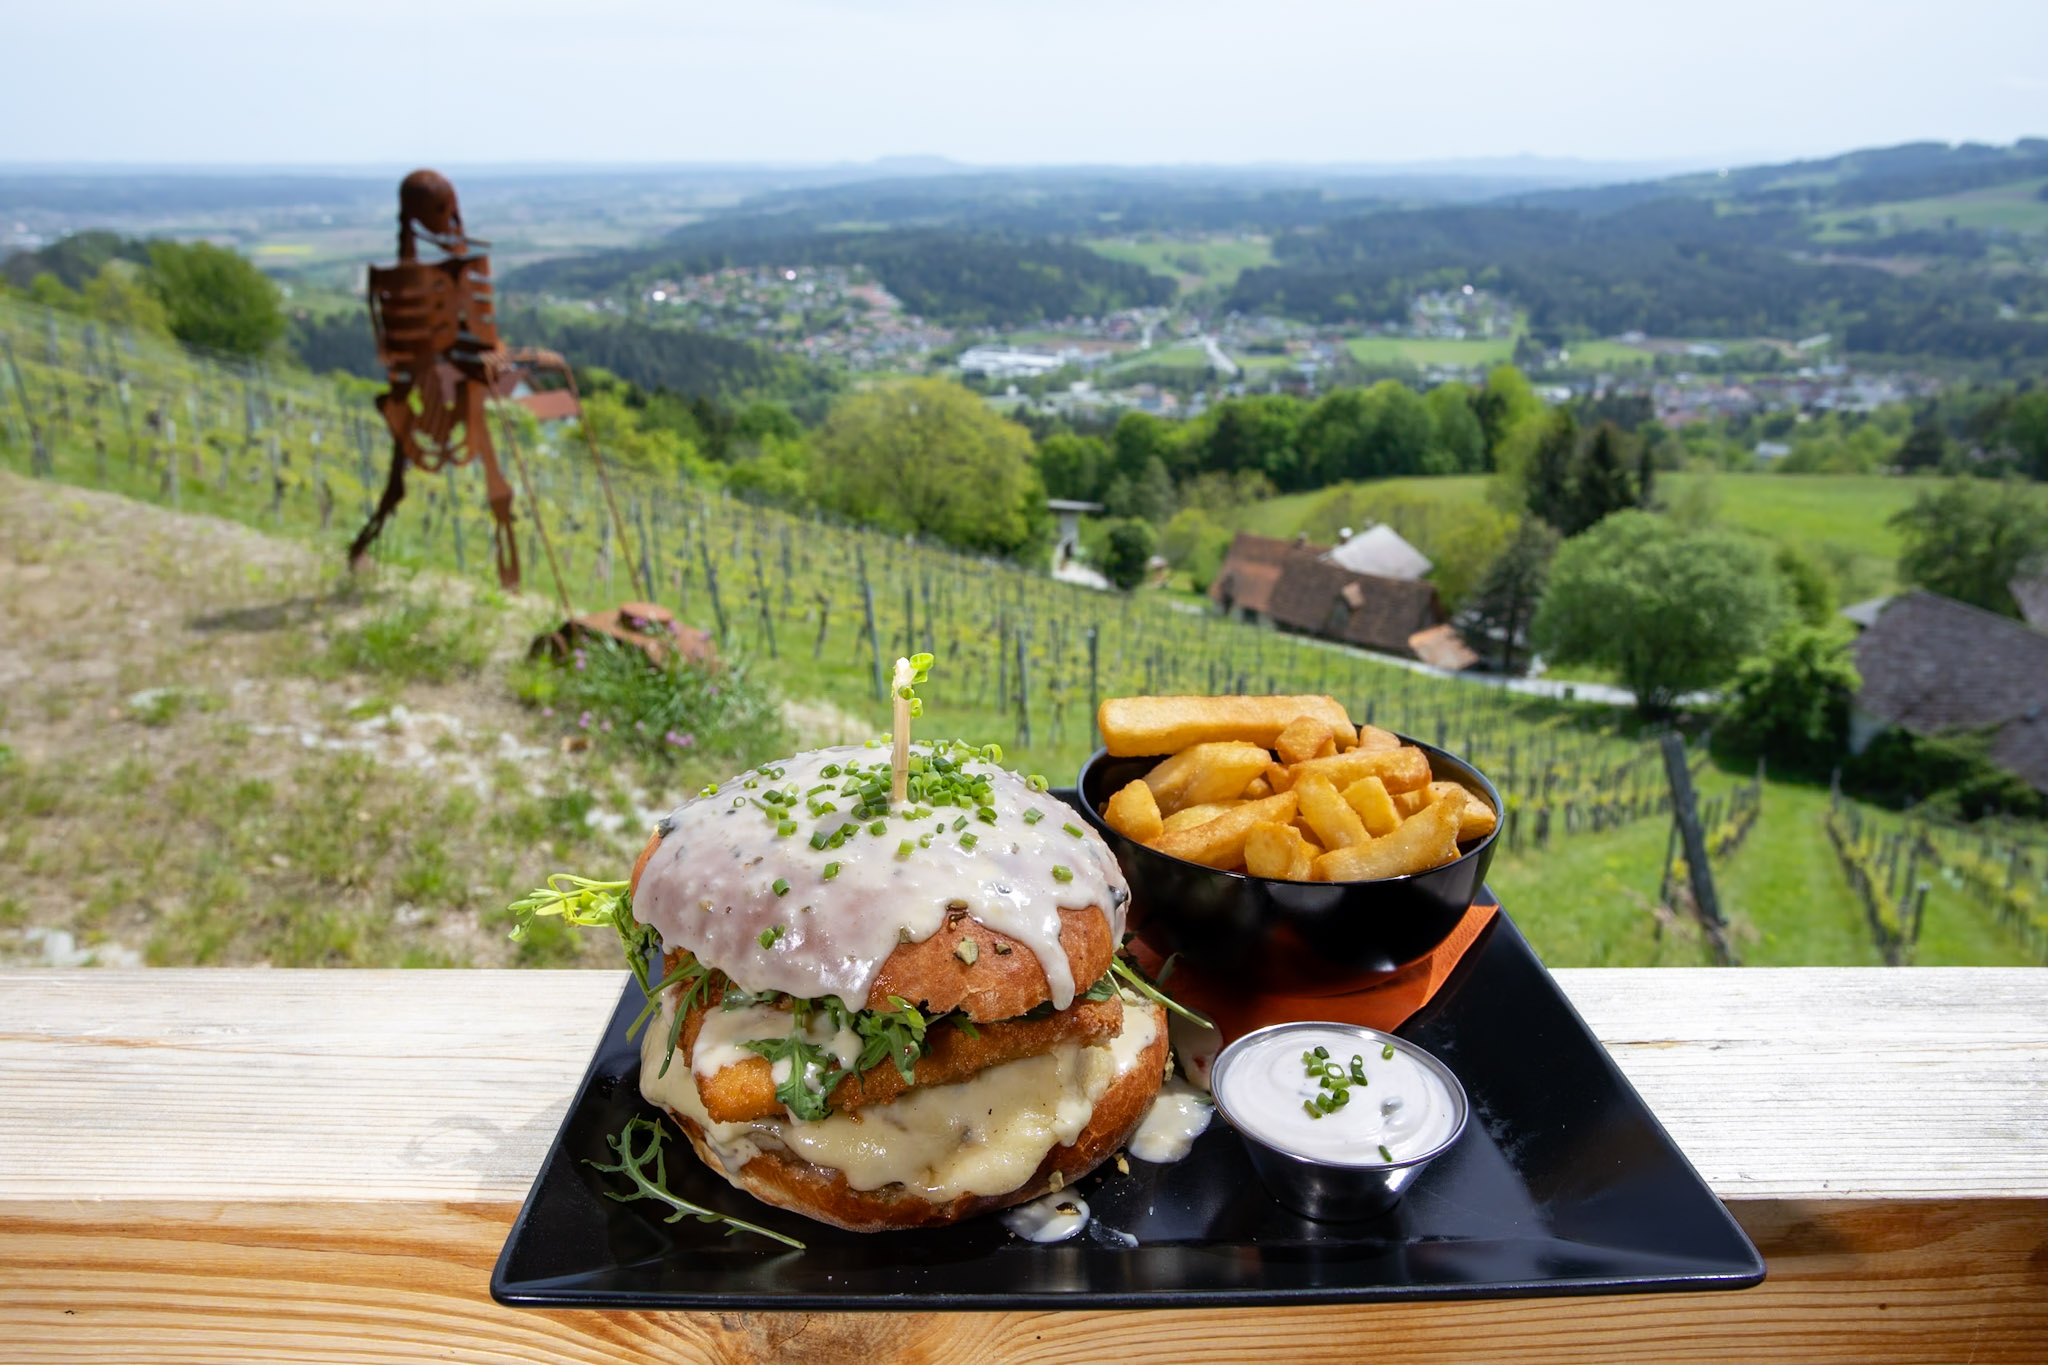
[787, 1181]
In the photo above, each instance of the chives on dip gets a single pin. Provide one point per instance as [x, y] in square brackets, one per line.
[1337, 1119]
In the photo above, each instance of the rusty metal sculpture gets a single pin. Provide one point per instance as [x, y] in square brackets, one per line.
[437, 338]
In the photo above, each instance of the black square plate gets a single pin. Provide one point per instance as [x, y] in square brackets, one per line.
[1564, 1183]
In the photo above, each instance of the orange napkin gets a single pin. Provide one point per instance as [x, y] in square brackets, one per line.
[1384, 1004]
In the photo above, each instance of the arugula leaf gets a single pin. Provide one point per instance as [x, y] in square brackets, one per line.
[897, 1034]
[797, 1093]
[632, 1163]
[1101, 990]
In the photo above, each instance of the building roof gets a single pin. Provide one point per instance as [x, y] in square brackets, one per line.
[1292, 582]
[2032, 595]
[1864, 614]
[1381, 551]
[1251, 570]
[1932, 664]
[1070, 505]
[550, 405]
[1442, 647]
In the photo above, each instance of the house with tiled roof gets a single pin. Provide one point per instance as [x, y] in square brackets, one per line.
[1293, 585]
[1933, 666]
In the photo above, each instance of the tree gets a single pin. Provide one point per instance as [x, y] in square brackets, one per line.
[1600, 480]
[1152, 497]
[1970, 539]
[1549, 475]
[215, 299]
[2026, 430]
[1673, 611]
[121, 297]
[927, 457]
[1811, 591]
[1503, 404]
[48, 291]
[1130, 549]
[1460, 439]
[1500, 610]
[1193, 542]
[1073, 467]
[1925, 447]
[1791, 703]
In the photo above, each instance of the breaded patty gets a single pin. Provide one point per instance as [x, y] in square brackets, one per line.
[776, 1177]
[746, 1090]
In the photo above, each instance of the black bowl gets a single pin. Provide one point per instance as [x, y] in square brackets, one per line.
[1281, 937]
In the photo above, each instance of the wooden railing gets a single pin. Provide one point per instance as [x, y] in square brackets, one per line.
[321, 1166]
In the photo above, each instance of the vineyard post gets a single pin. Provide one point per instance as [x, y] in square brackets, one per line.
[867, 596]
[1023, 694]
[1686, 812]
[646, 557]
[1094, 691]
[39, 455]
[761, 595]
[824, 617]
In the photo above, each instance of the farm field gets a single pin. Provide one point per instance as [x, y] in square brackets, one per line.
[1838, 517]
[2012, 207]
[1210, 263]
[1606, 355]
[1466, 353]
[1020, 658]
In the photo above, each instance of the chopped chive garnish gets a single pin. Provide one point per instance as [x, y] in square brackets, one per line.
[1313, 1112]
[738, 801]
[829, 770]
[968, 841]
[1387, 1053]
[960, 824]
[1037, 782]
[906, 848]
[711, 790]
[1358, 1068]
[1062, 873]
[1385, 1155]
[1322, 1053]
[785, 828]
[781, 886]
[879, 828]
[750, 784]
[831, 871]
[769, 936]
[1072, 829]
[819, 838]
[1033, 816]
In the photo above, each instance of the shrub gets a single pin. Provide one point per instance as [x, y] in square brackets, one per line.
[1791, 703]
[1130, 548]
[610, 693]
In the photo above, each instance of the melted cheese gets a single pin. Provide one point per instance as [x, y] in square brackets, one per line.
[722, 1037]
[985, 1135]
[710, 886]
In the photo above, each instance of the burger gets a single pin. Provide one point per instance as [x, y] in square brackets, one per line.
[890, 993]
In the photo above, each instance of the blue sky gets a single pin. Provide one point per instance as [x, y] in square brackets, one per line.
[1057, 81]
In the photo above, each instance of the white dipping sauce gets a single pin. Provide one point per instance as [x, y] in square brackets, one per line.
[1049, 1218]
[1403, 1106]
[1179, 1114]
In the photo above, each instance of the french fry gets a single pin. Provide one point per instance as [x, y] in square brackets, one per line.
[1220, 842]
[1133, 813]
[1372, 737]
[1426, 840]
[1133, 727]
[1278, 777]
[1407, 803]
[1303, 739]
[1258, 789]
[1368, 796]
[1204, 773]
[1401, 770]
[1478, 819]
[1190, 816]
[1336, 824]
[1278, 851]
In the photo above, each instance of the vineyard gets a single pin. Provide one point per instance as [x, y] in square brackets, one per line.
[819, 607]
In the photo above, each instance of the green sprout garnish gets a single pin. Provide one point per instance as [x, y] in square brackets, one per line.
[1135, 979]
[632, 1163]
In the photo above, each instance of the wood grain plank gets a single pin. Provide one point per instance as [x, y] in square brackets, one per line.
[1808, 1083]
[404, 1282]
